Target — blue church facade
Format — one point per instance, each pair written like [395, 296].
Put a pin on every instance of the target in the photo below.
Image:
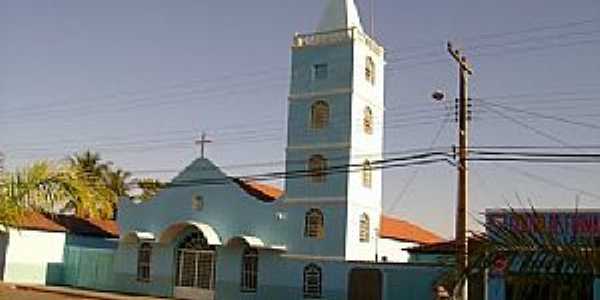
[208, 236]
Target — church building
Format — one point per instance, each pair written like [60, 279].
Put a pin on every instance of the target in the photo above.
[210, 236]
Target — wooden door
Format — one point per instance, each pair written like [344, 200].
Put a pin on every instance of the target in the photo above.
[365, 284]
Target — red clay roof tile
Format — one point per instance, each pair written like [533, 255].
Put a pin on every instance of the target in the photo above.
[68, 223]
[402, 230]
[37, 221]
[261, 191]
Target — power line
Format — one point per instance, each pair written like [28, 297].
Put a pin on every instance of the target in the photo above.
[529, 127]
[497, 35]
[542, 116]
[550, 182]
[415, 173]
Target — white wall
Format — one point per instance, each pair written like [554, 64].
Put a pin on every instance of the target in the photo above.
[29, 252]
[393, 250]
[365, 146]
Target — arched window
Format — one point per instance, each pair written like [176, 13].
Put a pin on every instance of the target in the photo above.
[368, 120]
[364, 228]
[319, 114]
[367, 174]
[143, 263]
[370, 70]
[249, 270]
[314, 224]
[317, 166]
[312, 281]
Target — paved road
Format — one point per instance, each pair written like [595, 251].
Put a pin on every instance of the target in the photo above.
[8, 293]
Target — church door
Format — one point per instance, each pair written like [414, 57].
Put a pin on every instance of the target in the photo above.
[195, 277]
[364, 284]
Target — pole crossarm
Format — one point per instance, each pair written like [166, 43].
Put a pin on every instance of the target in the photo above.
[461, 60]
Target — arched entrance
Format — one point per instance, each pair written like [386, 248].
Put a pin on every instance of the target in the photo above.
[195, 268]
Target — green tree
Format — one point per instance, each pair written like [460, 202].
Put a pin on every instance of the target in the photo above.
[150, 187]
[94, 186]
[117, 181]
[83, 182]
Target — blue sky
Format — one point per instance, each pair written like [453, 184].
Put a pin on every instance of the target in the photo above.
[137, 80]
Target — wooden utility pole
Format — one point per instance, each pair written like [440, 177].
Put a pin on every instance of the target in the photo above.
[462, 248]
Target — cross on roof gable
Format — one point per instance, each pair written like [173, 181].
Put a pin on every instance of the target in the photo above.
[339, 14]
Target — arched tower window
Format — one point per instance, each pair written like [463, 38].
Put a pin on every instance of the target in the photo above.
[367, 174]
[370, 70]
[312, 281]
[368, 120]
[314, 224]
[364, 228]
[317, 166]
[249, 270]
[143, 263]
[319, 115]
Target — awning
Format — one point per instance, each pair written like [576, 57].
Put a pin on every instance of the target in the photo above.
[254, 242]
[137, 236]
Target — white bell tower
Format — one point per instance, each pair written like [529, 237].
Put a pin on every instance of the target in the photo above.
[335, 131]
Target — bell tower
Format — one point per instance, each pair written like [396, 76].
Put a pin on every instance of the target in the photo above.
[335, 135]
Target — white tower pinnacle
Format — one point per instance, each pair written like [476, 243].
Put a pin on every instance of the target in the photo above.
[340, 14]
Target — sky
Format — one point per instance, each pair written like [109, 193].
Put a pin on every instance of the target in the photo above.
[139, 80]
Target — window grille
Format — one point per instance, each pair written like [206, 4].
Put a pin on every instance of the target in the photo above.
[321, 71]
[317, 166]
[249, 270]
[314, 224]
[143, 264]
[319, 115]
[195, 263]
[368, 120]
[312, 281]
[364, 230]
[370, 70]
[367, 174]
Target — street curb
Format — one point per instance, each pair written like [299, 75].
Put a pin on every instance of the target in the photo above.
[73, 293]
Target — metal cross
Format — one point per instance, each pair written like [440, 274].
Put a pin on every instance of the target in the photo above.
[202, 142]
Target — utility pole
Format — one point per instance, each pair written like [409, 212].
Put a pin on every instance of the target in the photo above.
[462, 247]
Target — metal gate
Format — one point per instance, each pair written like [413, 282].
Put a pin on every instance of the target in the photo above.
[195, 277]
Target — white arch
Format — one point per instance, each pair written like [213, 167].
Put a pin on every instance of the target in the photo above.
[251, 241]
[169, 234]
[136, 236]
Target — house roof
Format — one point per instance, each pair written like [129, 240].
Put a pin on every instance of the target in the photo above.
[446, 247]
[92, 227]
[69, 224]
[261, 191]
[37, 221]
[393, 228]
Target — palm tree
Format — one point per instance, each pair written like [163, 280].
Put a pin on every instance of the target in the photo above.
[540, 263]
[84, 183]
[39, 187]
[95, 188]
[89, 163]
[117, 182]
